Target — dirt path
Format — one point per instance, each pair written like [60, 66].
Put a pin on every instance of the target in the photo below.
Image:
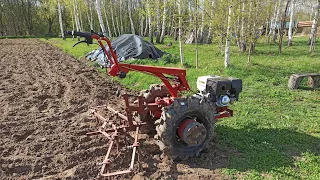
[44, 98]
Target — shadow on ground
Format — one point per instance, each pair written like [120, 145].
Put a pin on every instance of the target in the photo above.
[247, 149]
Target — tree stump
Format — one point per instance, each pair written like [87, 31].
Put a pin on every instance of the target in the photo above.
[295, 80]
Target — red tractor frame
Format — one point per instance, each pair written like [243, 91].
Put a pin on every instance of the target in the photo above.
[183, 125]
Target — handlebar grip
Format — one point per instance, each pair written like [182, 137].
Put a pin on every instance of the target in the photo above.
[76, 33]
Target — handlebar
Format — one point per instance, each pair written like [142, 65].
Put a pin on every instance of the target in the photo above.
[76, 33]
[83, 34]
[86, 35]
[89, 36]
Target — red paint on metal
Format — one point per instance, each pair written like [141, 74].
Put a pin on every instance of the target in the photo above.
[182, 127]
[173, 78]
[157, 114]
[223, 112]
[165, 101]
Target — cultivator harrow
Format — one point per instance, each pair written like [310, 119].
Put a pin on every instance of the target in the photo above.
[184, 125]
[116, 126]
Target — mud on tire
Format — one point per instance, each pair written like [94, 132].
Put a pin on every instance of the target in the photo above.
[155, 90]
[172, 116]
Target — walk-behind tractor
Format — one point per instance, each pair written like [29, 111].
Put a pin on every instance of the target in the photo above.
[184, 125]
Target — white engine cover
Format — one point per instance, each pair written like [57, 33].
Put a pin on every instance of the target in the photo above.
[202, 82]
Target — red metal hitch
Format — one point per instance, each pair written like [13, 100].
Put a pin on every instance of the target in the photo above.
[223, 112]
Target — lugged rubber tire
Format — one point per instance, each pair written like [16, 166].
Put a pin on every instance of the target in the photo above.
[155, 90]
[172, 116]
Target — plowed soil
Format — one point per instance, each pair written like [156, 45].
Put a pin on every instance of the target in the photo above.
[45, 95]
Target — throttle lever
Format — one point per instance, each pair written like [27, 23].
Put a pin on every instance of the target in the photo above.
[100, 34]
[83, 41]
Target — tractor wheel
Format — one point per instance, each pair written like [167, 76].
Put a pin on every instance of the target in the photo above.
[155, 90]
[185, 127]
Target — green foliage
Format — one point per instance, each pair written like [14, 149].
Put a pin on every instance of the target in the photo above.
[275, 132]
[168, 59]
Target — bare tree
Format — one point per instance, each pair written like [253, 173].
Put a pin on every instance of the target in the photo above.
[118, 26]
[163, 28]
[243, 40]
[209, 38]
[201, 29]
[149, 21]
[112, 18]
[106, 17]
[90, 13]
[76, 15]
[98, 9]
[130, 17]
[228, 39]
[283, 20]
[196, 31]
[120, 17]
[273, 23]
[60, 20]
[146, 27]
[180, 33]
[313, 33]
[158, 27]
[290, 34]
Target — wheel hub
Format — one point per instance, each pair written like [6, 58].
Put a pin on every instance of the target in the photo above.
[192, 132]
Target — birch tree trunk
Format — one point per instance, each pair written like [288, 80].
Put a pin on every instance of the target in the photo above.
[290, 34]
[60, 21]
[282, 26]
[106, 17]
[141, 18]
[90, 14]
[189, 11]
[80, 20]
[276, 21]
[252, 31]
[120, 16]
[147, 26]
[112, 19]
[227, 49]
[200, 35]
[163, 31]
[149, 21]
[130, 17]
[180, 33]
[141, 26]
[158, 25]
[118, 26]
[72, 17]
[209, 38]
[196, 31]
[76, 15]
[313, 33]
[103, 29]
[243, 40]
[273, 22]
[76, 20]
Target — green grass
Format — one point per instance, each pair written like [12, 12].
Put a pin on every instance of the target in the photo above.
[275, 132]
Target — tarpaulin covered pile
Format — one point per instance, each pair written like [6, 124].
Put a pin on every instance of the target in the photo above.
[127, 46]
